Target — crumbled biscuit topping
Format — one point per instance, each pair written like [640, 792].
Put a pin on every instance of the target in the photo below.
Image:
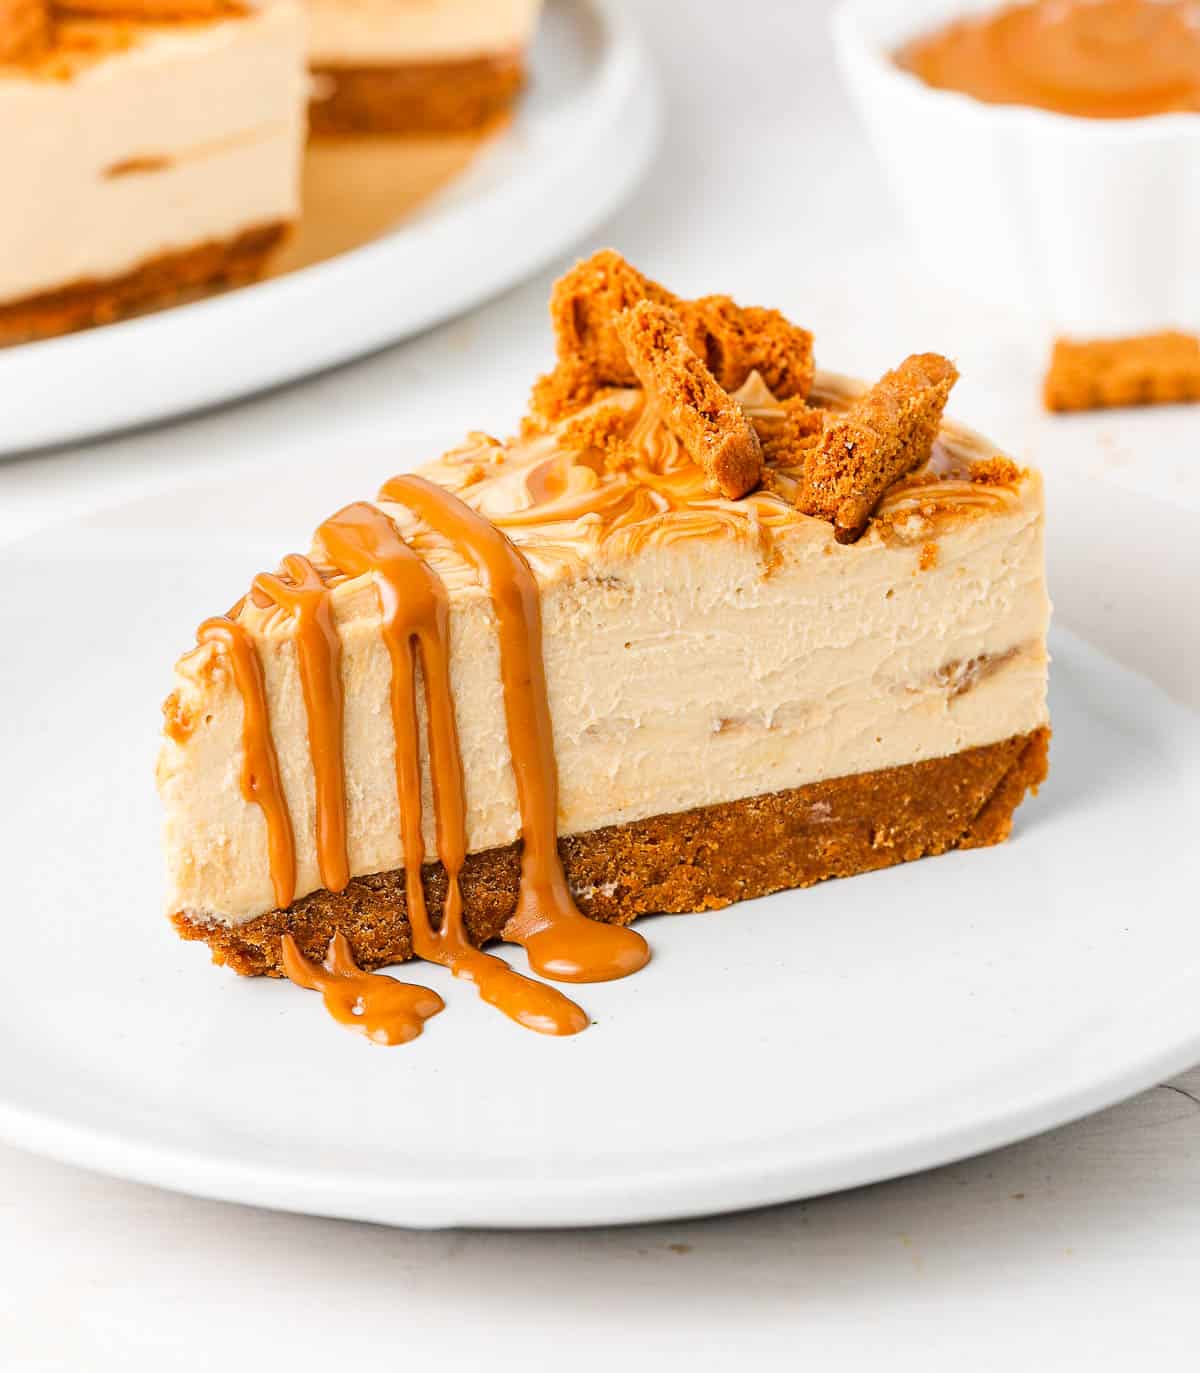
[732, 340]
[732, 383]
[885, 435]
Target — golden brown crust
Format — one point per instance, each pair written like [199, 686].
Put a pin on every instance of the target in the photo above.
[24, 30]
[732, 340]
[452, 97]
[885, 434]
[1149, 369]
[697, 860]
[159, 281]
[705, 418]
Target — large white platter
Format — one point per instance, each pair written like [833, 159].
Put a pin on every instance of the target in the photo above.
[579, 143]
[802, 1043]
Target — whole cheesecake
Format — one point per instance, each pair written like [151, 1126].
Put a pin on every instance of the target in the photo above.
[148, 149]
[714, 625]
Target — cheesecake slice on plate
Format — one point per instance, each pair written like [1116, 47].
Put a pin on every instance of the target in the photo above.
[715, 624]
[148, 149]
[416, 66]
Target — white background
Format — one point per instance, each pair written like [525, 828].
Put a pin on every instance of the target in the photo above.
[1080, 1249]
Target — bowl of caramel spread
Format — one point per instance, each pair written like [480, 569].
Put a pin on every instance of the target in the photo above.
[1043, 153]
[1096, 59]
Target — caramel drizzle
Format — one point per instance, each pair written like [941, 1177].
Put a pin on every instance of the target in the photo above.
[261, 783]
[560, 942]
[302, 593]
[415, 609]
[383, 1009]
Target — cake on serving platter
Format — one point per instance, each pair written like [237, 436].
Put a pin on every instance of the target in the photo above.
[715, 624]
[148, 149]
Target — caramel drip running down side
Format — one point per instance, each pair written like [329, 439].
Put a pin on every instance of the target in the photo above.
[302, 593]
[383, 1009]
[261, 783]
[362, 540]
[560, 941]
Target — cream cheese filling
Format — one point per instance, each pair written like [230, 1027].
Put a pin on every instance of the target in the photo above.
[680, 674]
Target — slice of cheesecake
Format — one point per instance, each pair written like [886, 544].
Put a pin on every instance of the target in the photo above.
[416, 66]
[143, 158]
[713, 626]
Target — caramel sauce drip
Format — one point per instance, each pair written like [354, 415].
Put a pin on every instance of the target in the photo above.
[560, 941]
[381, 1008]
[302, 593]
[415, 609]
[1100, 59]
[261, 783]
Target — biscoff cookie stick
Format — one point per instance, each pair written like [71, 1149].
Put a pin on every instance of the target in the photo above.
[1148, 369]
[706, 419]
[886, 434]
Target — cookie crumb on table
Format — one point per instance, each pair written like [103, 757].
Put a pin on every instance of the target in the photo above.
[1145, 369]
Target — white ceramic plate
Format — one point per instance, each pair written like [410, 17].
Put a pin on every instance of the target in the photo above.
[794, 1045]
[578, 145]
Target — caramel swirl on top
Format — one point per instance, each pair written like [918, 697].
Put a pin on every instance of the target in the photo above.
[1101, 59]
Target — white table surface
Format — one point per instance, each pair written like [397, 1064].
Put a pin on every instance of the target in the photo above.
[1078, 1249]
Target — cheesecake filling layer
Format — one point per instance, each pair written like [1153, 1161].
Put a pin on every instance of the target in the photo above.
[399, 32]
[155, 138]
[693, 657]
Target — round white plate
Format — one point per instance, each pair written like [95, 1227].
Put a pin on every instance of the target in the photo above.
[579, 143]
[793, 1045]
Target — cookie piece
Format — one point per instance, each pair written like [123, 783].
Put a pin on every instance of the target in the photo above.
[1148, 369]
[705, 418]
[584, 306]
[884, 435]
[732, 340]
[735, 340]
[24, 30]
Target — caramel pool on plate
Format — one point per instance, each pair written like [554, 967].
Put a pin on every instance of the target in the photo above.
[1102, 59]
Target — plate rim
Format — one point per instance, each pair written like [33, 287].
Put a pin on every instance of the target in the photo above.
[680, 1193]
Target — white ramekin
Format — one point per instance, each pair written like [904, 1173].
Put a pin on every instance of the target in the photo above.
[1090, 226]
